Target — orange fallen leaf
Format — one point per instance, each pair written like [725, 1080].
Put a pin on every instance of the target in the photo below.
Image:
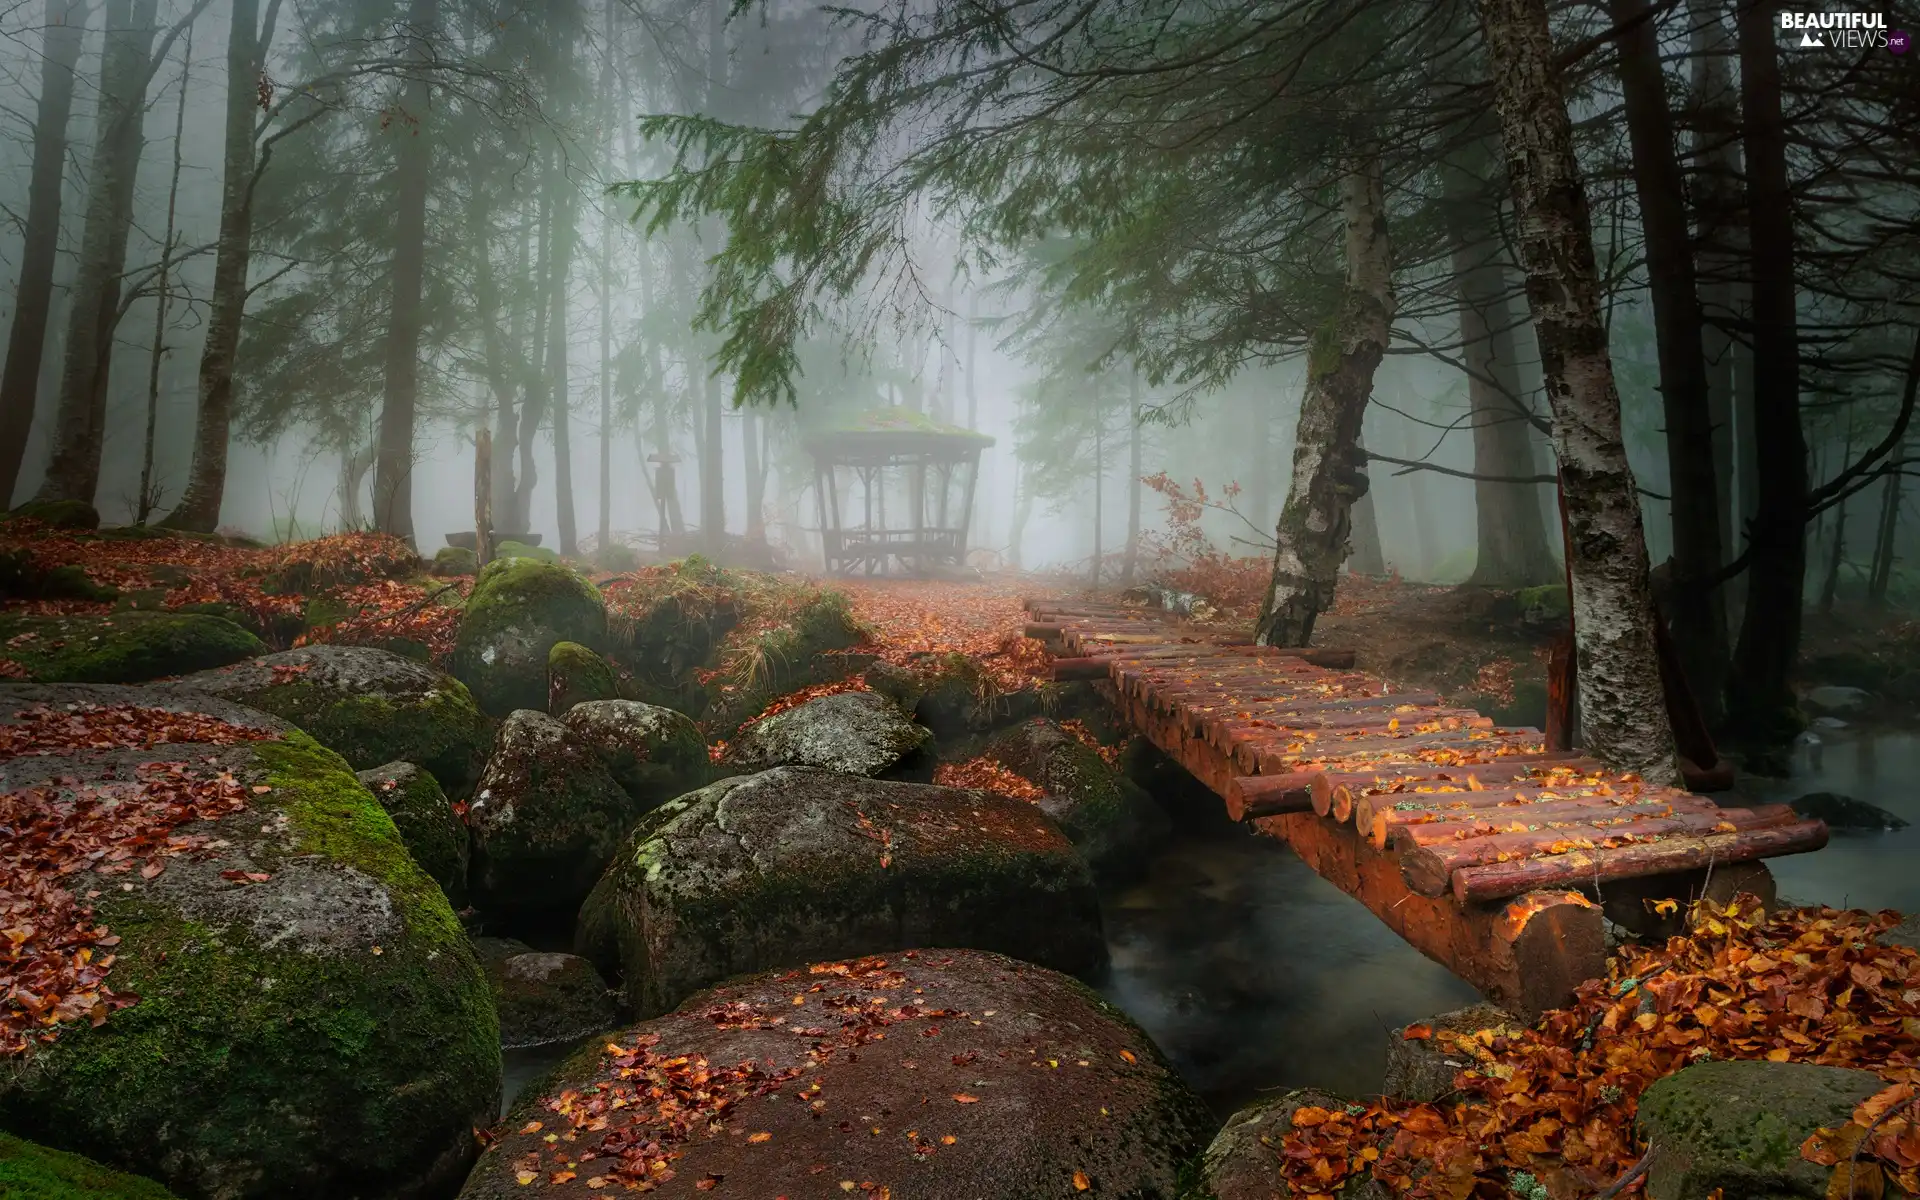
[1080, 1181]
[963, 1098]
[1417, 1033]
[762, 1136]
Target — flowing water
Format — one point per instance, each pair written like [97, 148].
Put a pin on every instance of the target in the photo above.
[1254, 975]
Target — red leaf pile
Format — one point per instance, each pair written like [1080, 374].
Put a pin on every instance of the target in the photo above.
[985, 775]
[45, 730]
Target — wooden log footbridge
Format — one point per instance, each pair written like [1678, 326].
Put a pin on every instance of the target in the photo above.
[1481, 847]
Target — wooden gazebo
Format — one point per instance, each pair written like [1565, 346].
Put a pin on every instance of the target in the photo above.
[927, 470]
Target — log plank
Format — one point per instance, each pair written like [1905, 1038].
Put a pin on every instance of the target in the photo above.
[1491, 881]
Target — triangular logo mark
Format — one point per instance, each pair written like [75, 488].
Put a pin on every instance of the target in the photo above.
[1811, 40]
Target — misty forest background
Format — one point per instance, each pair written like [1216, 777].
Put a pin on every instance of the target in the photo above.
[277, 261]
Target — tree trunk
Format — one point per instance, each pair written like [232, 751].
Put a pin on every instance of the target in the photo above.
[1511, 542]
[393, 470]
[1698, 616]
[199, 507]
[26, 342]
[354, 466]
[557, 374]
[1883, 542]
[80, 423]
[754, 454]
[1719, 238]
[1099, 477]
[146, 500]
[973, 334]
[1366, 557]
[1133, 475]
[1622, 707]
[533, 408]
[1830, 588]
[610, 92]
[1311, 535]
[1762, 704]
[505, 387]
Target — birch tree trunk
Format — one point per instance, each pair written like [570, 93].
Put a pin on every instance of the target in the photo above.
[393, 469]
[1699, 617]
[199, 506]
[1761, 703]
[1511, 543]
[80, 422]
[1315, 520]
[40, 237]
[1623, 712]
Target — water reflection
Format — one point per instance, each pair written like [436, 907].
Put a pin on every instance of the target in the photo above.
[1871, 870]
[526, 1064]
[1253, 974]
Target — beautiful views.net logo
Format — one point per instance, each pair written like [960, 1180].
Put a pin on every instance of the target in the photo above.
[1839, 30]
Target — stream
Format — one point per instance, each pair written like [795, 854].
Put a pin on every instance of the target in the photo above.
[1254, 975]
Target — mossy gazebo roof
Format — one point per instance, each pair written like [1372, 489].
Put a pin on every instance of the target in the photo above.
[883, 433]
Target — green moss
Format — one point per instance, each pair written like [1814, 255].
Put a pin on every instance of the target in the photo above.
[519, 609]
[124, 647]
[1549, 599]
[575, 675]
[30, 1172]
[511, 549]
[433, 833]
[59, 514]
[443, 731]
[268, 1068]
[455, 560]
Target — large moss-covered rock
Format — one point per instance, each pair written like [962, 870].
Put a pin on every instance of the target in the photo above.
[435, 835]
[1422, 1070]
[311, 1020]
[59, 514]
[1111, 819]
[368, 706]
[546, 819]
[1738, 1126]
[996, 1079]
[959, 698]
[576, 675]
[123, 647]
[796, 864]
[519, 609]
[450, 562]
[654, 753]
[1243, 1163]
[30, 1172]
[544, 998]
[854, 733]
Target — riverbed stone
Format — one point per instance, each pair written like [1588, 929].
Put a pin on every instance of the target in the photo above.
[451, 562]
[1421, 1070]
[130, 646]
[576, 674]
[369, 706]
[1243, 1162]
[545, 820]
[311, 1020]
[853, 733]
[944, 1074]
[1738, 1126]
[1844, 812]
[435, 835]
[1835, 698]
[796, 864]
[654, 753]
[519, 610]
[1113, 822]
[544, 997]
[30, 1172]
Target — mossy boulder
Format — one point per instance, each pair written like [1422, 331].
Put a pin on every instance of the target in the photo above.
[1243, 1163]
[369, 706]
[544, 998]
[30, 1172]
[1115, 824]
[59, 514]
[546, 819]
[795, 864]
[450, 562]
[435, 835]
[520, 608]
[1422, 1070]
[899, 684]
[854, 733]
[23, 578]
[654, 753]
[311, 1020]
[996, 1078]
[123, 647]
[1738, 1126]
[576, 675]
[513, 549]
[959, 698]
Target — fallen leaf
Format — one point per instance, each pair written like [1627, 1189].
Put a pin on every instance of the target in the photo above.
[1080, 1181]
[963, 1098]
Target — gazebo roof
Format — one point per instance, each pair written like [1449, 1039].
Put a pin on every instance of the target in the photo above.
[889, 431]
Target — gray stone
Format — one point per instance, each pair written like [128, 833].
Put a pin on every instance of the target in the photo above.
[797, 864]
[853, 733]
[1243, 1163]
[1844, 812]
[544, 997]
[1835, 698]
[1113, 822]
[1738, 1126]
[545, 820]
[995, 1078]
[1422, 1070]
[654, 753]
[434, 834]
[1906, 933]
[519, 610]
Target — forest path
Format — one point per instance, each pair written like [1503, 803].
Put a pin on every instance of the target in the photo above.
[1485, 851]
